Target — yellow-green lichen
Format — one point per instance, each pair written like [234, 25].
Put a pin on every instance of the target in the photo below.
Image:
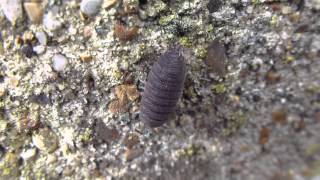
[45, 140]
[165, 20]
[190, 151]
[209, 28]
[201, 52]
[255, 2]
[312, 171]
[184, 41]
[313, 88]
[9, 166]
[86, 135]
[218, 88]
[312, 149]
[274, 20]
[288, 59]
[235, 121]
[116, 74]
[3, 125]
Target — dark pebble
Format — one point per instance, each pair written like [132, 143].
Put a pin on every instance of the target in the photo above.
[1, 78]
[27, 50]
[216, 58]
[143, 2]
[214, 5]
[41, 99]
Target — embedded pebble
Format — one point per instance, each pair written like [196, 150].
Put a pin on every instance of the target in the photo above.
[2, 90]
[27, 50]
[131, 154]
[104, 133]
[34, 11]
[109, 3]
[9, 166]
[87, 33]
[90, 7]
[214, 5]
[85, 57]
[314, 4]
[59, 62]
[42, 37]
[12, 9]
[28, 154]
[125, 33]
[52, 158]
[131, 140]
[39, 49]
[51, 23]
[45, 140]
[123, 94]
[216, 57]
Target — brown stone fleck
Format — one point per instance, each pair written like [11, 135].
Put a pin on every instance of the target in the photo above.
[276, 6]
[28, 122]
[302, 28]
[281, 176]
[2, 90]
[132, 93]
[14, 81]
[109, 3]
[216, 57]
[272, 77]
[85, 57]
[125, 33]
[244, 148]
[279, 116]
[317, 116]
[131, 154]
[124, 94]
[105, 133]
[34, 11]
[117, 106]
[87, 32]
[264, 136]
[294, 17]
[299, 126]
[131, 140]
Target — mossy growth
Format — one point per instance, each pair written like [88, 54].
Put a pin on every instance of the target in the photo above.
[288, 59]
[274, 20]
[218, 88]
[255, 2]
[190, 151]
[312, 149]
[201, 52]
[165, 20]
[184, 41]
[9, 166]
[313, 88]
[116, 74]
[85, 136]
[235, 121]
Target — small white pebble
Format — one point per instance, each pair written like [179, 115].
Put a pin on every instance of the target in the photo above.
[59, 62]
[39, 49]
[27, 154]
[42, 37]
[90, 7]
[51, 23]
[72, 30]
[12, 9]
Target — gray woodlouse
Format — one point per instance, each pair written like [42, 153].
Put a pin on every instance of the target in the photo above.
[163, 88]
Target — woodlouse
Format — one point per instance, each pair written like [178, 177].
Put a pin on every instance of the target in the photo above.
[163, 88]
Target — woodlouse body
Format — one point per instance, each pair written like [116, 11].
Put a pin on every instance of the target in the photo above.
[163, 88]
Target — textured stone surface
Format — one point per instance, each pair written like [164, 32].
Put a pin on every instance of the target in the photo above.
[259, 119]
